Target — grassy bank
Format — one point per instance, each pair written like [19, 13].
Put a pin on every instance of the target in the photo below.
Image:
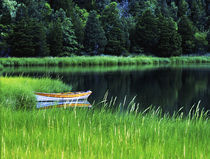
[85, 133]
[18, 92]
[1, 67]
[94, 133]
[101, 60]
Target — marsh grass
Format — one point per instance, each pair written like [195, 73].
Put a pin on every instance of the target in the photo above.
[18, 92]
[101, 61]
[100, 133]
[1, 67]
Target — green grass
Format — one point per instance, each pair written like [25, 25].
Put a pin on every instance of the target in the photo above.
[18, 92]
[101, 61]
[1, 67]
[95, 133]
[92, 133]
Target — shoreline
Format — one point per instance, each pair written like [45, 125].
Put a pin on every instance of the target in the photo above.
[87, 61]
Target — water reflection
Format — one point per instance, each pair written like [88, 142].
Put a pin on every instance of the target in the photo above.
[63, 104]
[169, 88]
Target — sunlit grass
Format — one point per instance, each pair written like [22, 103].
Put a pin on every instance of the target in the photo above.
[99, 132]
[101, 61]
[18, 92]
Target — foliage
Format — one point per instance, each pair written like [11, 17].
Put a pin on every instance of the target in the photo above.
[208, 39]
[18, 92]
[21, 39]
[70, 44]
[169, 43]
[187, 31]
[129, 25]
[201, 42]
[147, 31]
[113, 28]
[55, 39]
[94, 38]
[183, 8]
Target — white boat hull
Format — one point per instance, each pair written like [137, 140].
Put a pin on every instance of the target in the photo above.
[40, 98]
[63, 104]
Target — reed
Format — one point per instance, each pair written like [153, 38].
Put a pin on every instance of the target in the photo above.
[18, 92]
[98, 132]
[93, 133]
[1, 67]
[101, 61]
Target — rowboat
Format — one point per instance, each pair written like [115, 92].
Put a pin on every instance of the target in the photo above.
[63, 104]
[45, 97]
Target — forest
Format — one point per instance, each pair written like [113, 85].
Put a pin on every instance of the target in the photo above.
[64, 28]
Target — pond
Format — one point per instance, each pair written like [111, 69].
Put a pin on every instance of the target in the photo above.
[167, 87]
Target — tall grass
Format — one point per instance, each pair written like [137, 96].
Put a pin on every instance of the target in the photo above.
[18, 92]
[92, 133]
[101, 60]
[1, 67]
[98, 132]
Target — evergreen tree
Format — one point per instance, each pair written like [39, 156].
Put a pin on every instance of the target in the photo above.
[39, 39]
[198, 14]
[4, 34]
[147, 31]
[78, 27]
[201, 42]
[94, 38]
[187, 31]
[100, 4]
[55, 40]
[1, 8]
[170, 41]
[21, 40]
[70, 44]
[113, 28]
[6, 17]
[208, 39]
[164, 8]
[22, 13]
[70, 9]
[182, 8]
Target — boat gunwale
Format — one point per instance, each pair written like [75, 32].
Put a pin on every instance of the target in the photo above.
[64, 95]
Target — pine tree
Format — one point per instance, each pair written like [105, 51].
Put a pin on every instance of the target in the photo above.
[94, 38]
[78, 27]
[113, 28]
[55, 40]
[6, 17]
[39, 39]
[147, 31]
[70, 44]
[182, 8]
[198, 14]
[170, 41]
[187, 31]
[21, 40]
[208, 39]
[164, 8]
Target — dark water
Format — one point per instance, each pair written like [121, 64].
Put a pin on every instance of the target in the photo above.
[170, 88]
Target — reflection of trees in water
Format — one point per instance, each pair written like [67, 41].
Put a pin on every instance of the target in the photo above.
[194, 84]
[168, 88]
[158, 88]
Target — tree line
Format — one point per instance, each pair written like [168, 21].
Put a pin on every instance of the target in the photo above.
[39, 28]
